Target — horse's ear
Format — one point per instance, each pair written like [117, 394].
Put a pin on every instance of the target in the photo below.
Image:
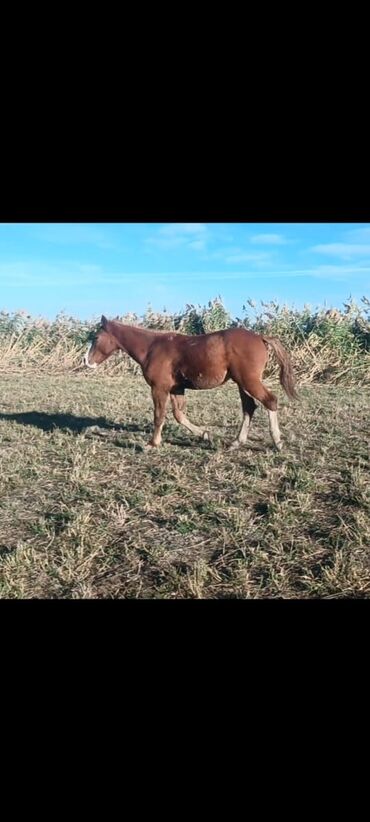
[103, 321]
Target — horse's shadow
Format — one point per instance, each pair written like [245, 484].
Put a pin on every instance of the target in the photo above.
[98, 425]
[69, 422]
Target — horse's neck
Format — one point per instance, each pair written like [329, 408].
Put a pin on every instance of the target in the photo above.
[135, 341]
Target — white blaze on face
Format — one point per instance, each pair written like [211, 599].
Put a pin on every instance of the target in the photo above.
[86, 358]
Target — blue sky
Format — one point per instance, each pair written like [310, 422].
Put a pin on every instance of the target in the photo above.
[87, 269]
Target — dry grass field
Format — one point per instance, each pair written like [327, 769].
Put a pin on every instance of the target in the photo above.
[87, 512]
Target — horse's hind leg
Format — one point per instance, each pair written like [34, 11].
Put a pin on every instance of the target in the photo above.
[248, 406]
[256, 389]
[274, 429]
[178, 406]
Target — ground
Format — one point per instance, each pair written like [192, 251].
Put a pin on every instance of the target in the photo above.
[87, 512]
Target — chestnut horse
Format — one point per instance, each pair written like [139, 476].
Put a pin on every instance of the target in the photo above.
[172, 362]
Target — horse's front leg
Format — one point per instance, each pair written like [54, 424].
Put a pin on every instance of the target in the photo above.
[160, 400]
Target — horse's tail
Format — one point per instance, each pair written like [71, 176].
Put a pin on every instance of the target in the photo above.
[287, 379]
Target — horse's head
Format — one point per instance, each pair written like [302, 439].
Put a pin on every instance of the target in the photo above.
[102, 347]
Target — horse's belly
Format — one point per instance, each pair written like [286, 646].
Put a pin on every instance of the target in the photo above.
[198, 380]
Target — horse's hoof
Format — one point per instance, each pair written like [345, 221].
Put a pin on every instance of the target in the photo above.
[206, 436]
[278, 446]
[234, 446]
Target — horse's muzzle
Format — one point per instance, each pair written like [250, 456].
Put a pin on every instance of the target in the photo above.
[86, 358]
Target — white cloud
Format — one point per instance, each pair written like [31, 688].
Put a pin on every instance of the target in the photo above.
[359, 234]
[343, 250]
[268, 239]
[178, 229]
[73, 234]
[197, 245]
[246, 257]
[39, 272]
[176, 235]
[337, 272]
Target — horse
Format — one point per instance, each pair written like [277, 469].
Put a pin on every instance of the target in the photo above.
[173, 362]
